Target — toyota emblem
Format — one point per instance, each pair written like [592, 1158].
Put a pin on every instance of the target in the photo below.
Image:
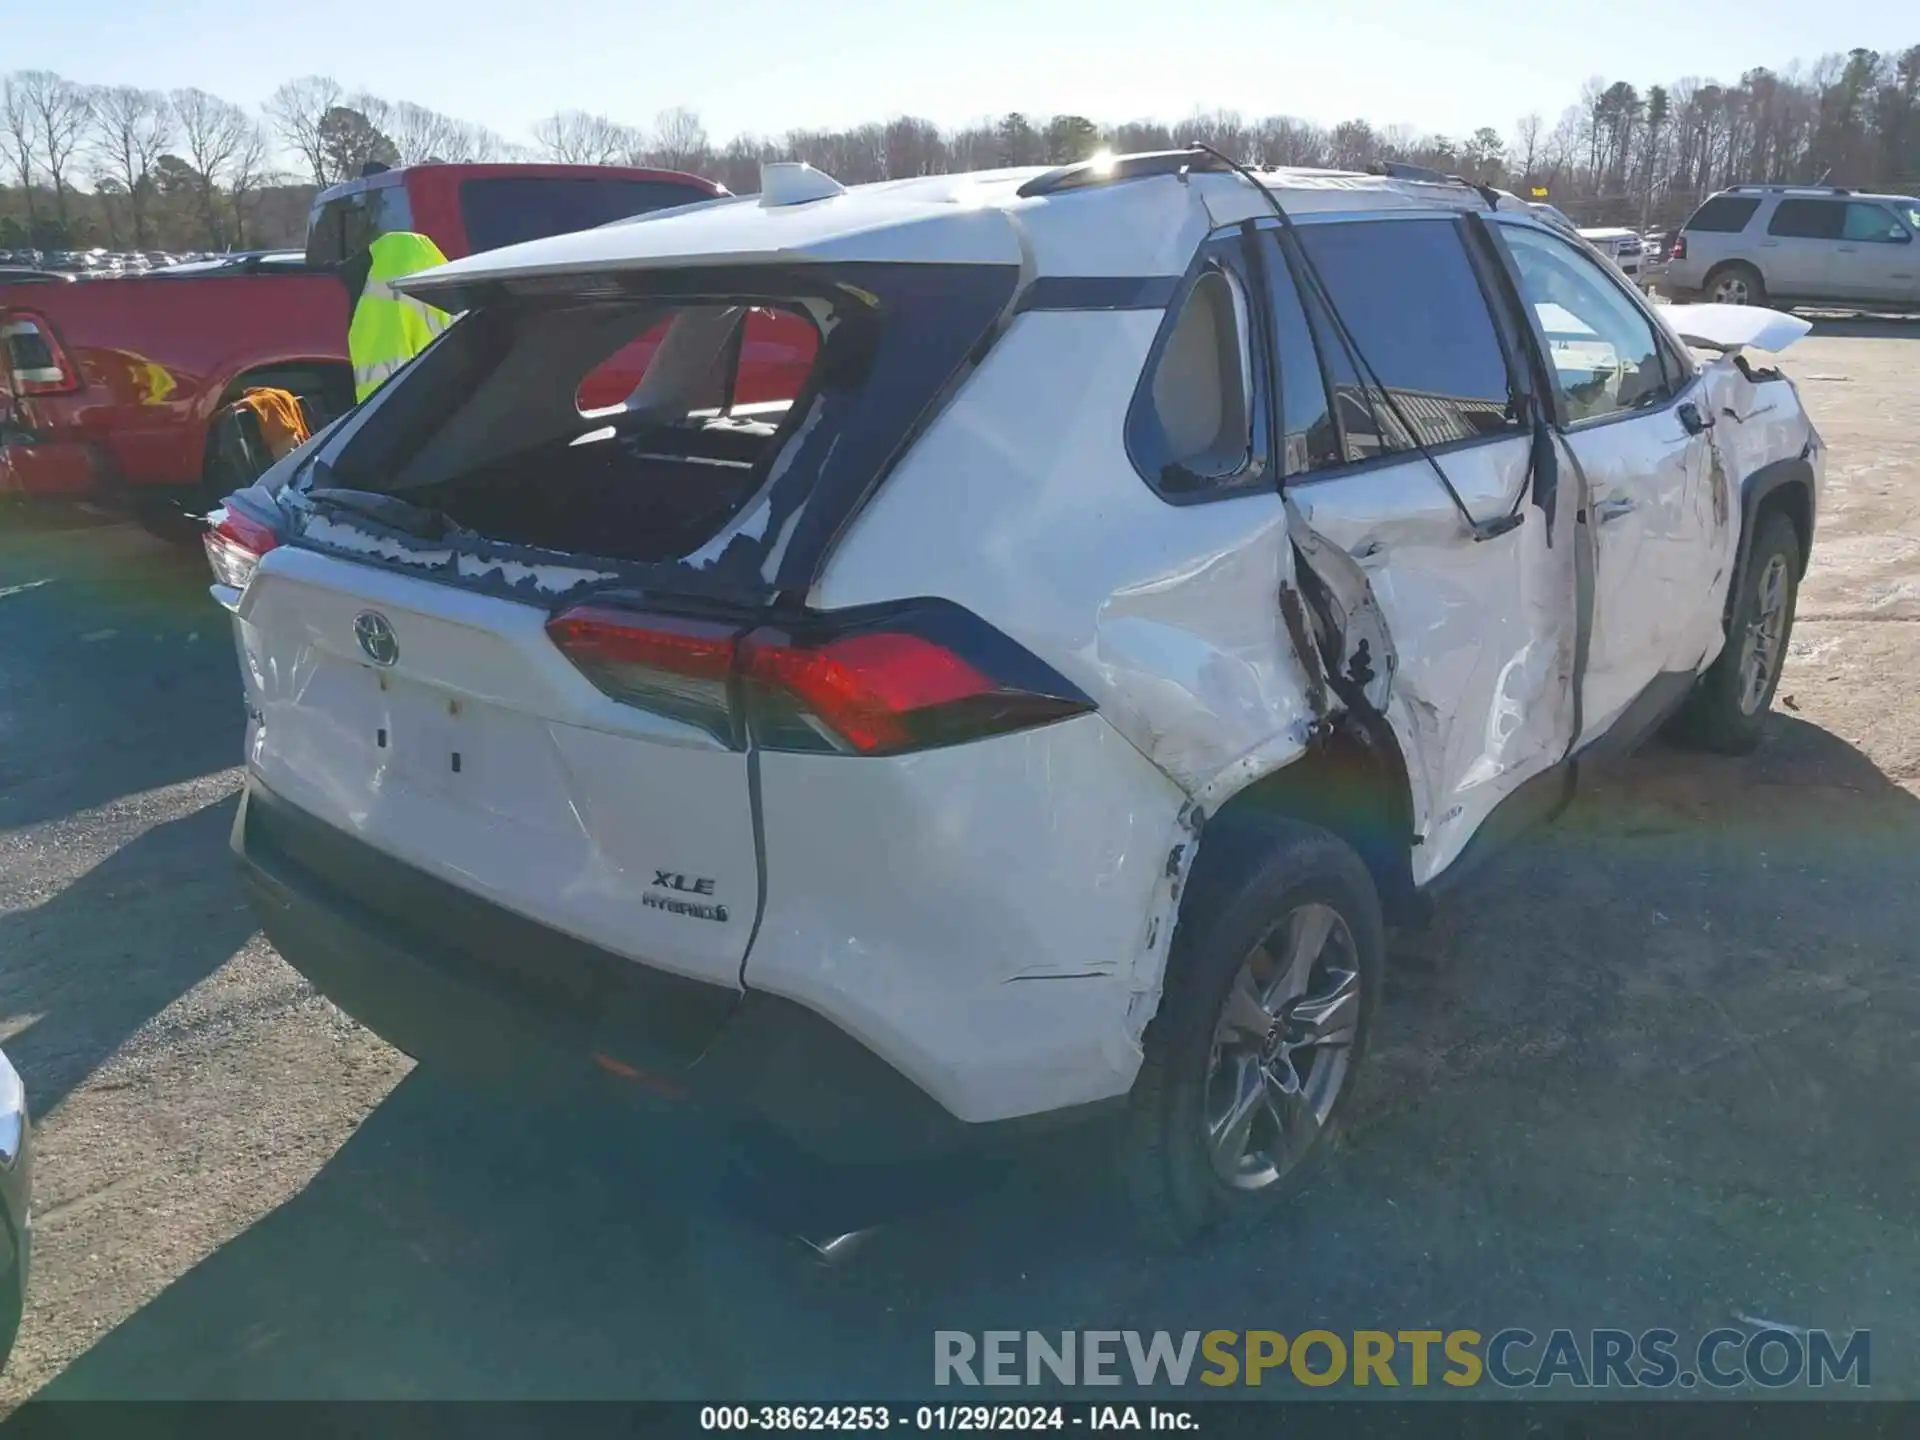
[375, 635]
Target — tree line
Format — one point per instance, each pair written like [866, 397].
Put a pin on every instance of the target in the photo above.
[141, 169]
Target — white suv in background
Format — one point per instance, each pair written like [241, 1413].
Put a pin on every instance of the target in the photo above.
[1167, 576]
[1799, 245]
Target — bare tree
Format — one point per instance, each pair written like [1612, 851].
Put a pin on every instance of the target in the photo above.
[295, 111]
[679, 140]
[215, 133]
[574, 137]
[131, 129]
[16, 118]
[1525, 153]
[248, 170]
[57, 113]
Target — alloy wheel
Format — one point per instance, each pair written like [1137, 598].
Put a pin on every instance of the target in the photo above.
[1282, 1047]
[1762, 646]
[1733, 290]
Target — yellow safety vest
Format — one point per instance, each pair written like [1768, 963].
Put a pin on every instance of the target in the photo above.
[388, 329]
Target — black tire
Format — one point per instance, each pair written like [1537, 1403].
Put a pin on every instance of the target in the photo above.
[1724, 713]
[1252, 887]
[1738, 274]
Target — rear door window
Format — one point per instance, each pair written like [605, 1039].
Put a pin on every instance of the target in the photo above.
[509, 209]
[1724, 214]
[1414, 307]
[1309, 438]
[1808, 219]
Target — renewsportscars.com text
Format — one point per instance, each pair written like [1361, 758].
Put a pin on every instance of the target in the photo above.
[1511, 1358]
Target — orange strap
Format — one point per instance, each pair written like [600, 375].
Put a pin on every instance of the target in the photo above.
[282, 422]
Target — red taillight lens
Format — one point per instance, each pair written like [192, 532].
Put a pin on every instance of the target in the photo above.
[39, 365]
[673, 667]
[928, 674]
[868, 688]
[235, 542]
[1679, 250]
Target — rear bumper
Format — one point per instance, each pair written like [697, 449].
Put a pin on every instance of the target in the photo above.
[463, 984]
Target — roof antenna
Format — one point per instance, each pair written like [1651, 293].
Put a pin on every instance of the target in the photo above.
[789, 182]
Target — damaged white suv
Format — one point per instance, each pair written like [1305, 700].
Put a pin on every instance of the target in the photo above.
[1160, 578]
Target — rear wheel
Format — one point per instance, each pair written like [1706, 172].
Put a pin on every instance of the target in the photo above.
[1736, 284]
[1728, 707]
[1271, 990]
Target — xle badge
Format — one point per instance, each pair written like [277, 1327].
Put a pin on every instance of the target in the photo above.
[673, 880]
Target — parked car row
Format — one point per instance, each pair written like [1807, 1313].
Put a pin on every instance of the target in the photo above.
[100, 261]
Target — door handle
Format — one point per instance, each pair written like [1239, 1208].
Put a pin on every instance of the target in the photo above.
[1613, 507]
[1693, 419]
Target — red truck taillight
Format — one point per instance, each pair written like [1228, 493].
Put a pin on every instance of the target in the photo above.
[912, 678]
[1679, 250]
[34, 354]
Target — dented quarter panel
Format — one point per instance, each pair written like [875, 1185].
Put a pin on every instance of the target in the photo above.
[1481, 632]
[1168, 616]
[991, 918]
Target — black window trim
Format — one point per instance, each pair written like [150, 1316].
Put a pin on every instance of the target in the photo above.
[1230, 250]
[1515, 369]
[1677, 393]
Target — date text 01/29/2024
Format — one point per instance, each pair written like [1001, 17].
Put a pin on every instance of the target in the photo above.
[945, 1417]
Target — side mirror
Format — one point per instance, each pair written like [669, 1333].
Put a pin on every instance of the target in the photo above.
[1691, 417]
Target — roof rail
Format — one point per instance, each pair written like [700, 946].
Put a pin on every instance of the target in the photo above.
[1400, 170]
[1788, 190]
[1109, 169]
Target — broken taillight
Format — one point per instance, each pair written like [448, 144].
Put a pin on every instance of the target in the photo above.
[862, 683]
[235, 542]
[34, 356]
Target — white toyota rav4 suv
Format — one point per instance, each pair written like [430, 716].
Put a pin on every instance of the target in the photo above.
[1166, 576]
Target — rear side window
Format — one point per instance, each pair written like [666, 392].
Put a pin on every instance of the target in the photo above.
[1415, 309]
[1724, 214]
[346, 225]
[1872, 223]
[1192, 429]
[1808, 219]
[509, 209]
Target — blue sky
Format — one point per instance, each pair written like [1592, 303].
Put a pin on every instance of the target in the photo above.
[768, 65]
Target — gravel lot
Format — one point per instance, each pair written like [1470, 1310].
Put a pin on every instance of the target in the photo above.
[1658, 1069]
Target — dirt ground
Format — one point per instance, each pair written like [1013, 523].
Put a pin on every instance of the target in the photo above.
[1657, 1069]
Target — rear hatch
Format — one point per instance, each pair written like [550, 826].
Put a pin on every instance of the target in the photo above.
[503, 637]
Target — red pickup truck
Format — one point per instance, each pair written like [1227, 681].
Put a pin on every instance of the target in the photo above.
[108, 388]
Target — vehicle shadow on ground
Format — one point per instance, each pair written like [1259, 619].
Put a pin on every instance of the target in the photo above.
[118, 945]
[1861, 326]
[1656, 1069]
[108, 634]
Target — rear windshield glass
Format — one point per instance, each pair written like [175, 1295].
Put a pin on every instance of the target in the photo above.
[505, 210]
[724, 406]
[1723, 213]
